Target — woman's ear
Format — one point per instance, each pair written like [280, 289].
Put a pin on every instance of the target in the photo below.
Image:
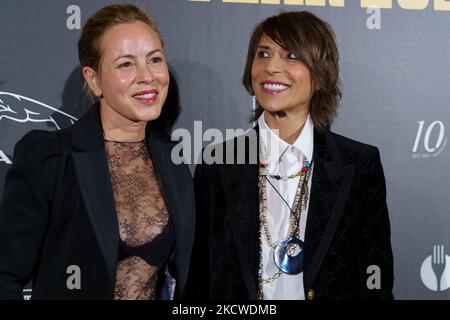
[315, 87]
[93, 81]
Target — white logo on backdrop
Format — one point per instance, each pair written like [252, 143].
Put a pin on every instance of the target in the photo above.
[4, 158]
[26, 109]
[21, 109]
[430, 139]
[435, 270]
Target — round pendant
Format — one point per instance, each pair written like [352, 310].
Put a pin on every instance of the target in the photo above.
[288, 255]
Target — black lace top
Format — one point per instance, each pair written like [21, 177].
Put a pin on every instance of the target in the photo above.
[145, 230]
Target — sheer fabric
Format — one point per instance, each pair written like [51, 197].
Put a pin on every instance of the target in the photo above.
[144, 227]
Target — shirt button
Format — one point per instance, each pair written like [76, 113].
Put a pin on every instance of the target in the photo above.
[310, 294]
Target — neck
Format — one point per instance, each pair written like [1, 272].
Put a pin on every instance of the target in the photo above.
[288, 126]
[118, 128]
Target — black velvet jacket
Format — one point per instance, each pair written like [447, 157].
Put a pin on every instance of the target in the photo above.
[58, 210]
[347, 229]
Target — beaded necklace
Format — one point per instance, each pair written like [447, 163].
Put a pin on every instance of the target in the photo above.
[300, 202]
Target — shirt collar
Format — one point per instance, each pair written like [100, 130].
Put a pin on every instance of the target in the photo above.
[304, 142]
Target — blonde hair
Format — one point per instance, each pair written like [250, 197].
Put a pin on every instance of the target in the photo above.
[89, 44]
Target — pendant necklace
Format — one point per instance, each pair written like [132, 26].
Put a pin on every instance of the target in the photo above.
[288, 253]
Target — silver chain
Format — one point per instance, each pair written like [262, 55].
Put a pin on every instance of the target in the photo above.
[300, 202]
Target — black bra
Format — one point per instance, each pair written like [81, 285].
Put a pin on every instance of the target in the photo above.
[155, 252]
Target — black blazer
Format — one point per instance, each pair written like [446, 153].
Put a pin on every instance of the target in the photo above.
[347, 228]
[58, 210]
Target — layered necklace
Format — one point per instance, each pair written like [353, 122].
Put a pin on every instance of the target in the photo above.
[288, 253]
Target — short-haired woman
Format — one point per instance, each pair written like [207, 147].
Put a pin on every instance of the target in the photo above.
[308, 219]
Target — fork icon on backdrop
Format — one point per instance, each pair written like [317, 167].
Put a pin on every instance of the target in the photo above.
[438, 264]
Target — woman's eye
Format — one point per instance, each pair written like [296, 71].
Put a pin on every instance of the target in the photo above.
[125, 65]
[156, 60]
[292, 56]
[262, 54]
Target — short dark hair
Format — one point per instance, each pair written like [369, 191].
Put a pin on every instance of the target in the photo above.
[312, 40]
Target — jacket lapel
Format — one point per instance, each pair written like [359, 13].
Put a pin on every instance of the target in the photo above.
[160, 151]
[330, 186]
[240, 182]
[93, 176]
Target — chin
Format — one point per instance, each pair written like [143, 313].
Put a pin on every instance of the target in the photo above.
[273, 109]
[149, 115]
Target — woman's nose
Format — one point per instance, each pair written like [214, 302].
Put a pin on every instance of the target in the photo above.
[274, 65]
[144, 73]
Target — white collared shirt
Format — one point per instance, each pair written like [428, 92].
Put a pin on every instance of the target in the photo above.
[286, 287]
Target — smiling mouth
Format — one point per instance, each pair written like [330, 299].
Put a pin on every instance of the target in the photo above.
[146, 96]
[274, 87]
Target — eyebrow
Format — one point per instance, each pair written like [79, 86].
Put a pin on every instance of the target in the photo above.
[132, 56]
[262, 47]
